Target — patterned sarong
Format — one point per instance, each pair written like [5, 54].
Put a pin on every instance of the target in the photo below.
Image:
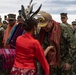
[19, 71]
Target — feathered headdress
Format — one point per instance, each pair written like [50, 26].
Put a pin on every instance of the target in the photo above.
[28, 12]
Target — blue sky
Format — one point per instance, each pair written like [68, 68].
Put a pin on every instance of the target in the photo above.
[51, 6]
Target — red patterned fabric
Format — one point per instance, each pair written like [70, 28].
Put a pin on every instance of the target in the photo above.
[53, 55]
[19, 71]
[55, 37]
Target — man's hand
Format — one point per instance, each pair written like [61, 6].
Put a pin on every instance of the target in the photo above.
[67, 66]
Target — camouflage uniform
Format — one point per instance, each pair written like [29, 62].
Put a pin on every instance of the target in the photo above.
[68, 49]
[75, 33]
[45, 44]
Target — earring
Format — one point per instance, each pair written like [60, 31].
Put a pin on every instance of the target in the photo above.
[35, 32]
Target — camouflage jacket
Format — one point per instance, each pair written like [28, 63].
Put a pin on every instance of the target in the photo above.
[68, 44]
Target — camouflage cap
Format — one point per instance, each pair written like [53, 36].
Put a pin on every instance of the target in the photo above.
[63, 14]
[74, 23]
[19, 10]
[11, 16]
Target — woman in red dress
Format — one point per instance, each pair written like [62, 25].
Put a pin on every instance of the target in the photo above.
[29, 50]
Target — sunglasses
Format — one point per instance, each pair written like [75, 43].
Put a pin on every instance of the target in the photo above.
[10, 20]
[62, 17]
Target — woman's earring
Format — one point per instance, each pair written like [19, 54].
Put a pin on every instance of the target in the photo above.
[35, 32]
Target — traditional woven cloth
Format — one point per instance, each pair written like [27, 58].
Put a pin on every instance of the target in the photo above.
[7, 58]
[19, 71]
[53, 56]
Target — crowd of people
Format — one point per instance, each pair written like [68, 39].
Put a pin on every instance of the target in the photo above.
[42, 45]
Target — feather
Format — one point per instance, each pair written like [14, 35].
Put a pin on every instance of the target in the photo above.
[36, 11]
[27, 11]
[31, 8]
[30, 2]
[23, 12]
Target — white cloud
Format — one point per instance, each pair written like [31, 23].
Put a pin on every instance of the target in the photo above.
[70, 18]
[7, 6]
[51, 6]
[71, 8]
[64, 0]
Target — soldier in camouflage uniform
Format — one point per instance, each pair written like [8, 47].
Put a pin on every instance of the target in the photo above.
[68, 49]
[74, 26]
[50, 35]
[64, 19]
[74, 32]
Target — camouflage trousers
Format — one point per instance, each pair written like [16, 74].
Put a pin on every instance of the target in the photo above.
[72, 71]
[57, 71]
[74, 68]
[53, 71]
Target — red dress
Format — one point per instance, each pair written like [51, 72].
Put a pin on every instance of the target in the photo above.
[28, 50]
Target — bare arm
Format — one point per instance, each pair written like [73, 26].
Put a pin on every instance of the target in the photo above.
[48, 49]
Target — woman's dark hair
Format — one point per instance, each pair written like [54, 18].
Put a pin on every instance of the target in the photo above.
[29, 24]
